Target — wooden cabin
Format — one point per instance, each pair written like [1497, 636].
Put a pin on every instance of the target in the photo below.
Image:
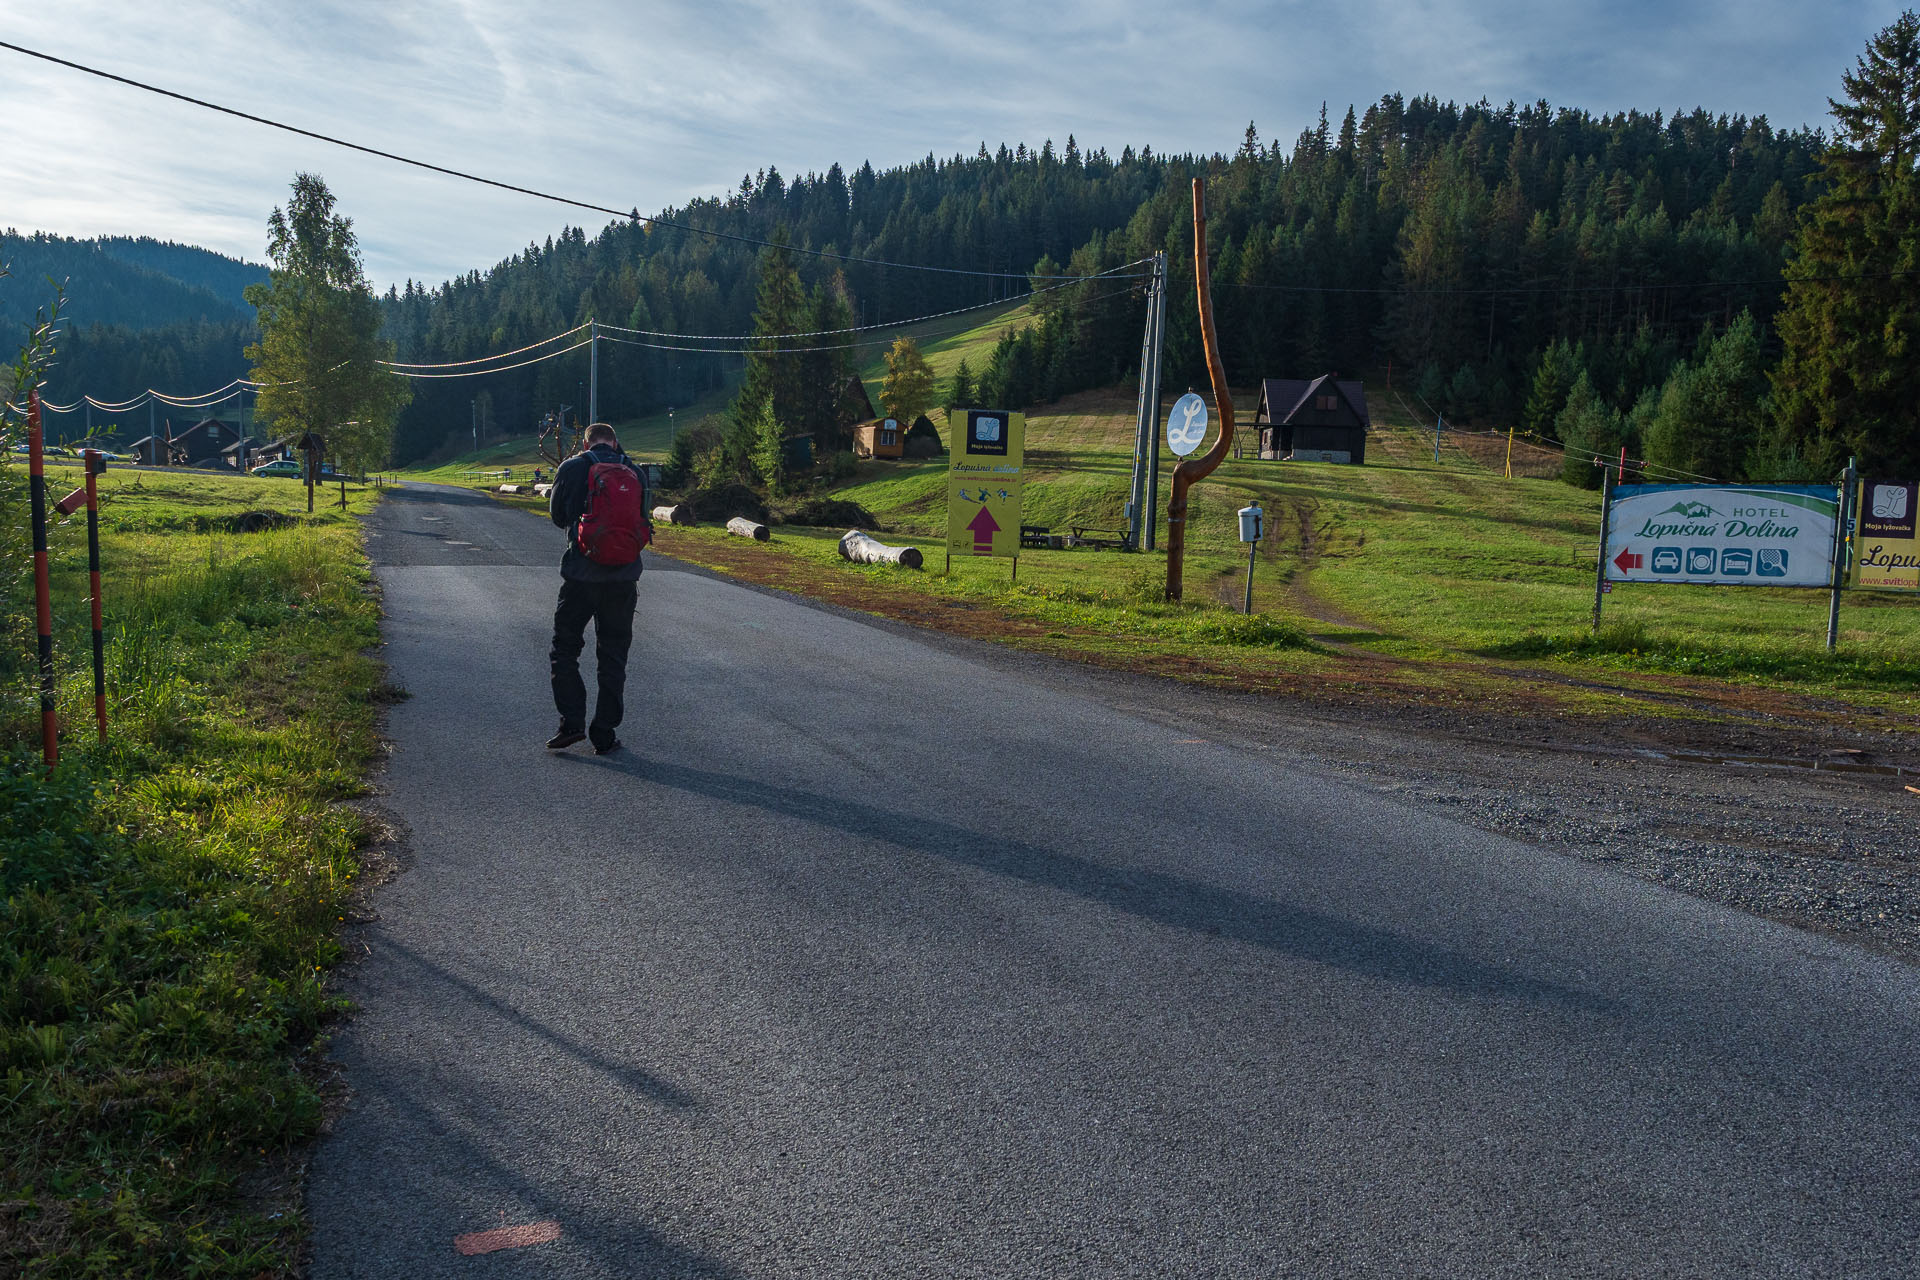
[1319, 420]
[879, 438]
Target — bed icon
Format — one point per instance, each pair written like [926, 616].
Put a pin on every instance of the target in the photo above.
[1736, 562]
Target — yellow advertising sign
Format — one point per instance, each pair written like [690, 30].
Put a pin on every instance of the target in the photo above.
[985, 483]
[1886, 539]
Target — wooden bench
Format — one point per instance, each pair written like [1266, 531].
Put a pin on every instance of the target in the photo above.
[1041, 537]
[1099, 539]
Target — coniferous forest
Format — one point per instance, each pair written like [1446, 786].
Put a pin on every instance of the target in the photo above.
[1472, 247]
[1608, 281]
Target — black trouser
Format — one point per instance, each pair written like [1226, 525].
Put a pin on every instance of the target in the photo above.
[610, 607]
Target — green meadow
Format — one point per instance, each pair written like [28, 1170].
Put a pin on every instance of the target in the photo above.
[171, 900]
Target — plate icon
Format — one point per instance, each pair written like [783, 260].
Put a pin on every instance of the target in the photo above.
[1700, 560]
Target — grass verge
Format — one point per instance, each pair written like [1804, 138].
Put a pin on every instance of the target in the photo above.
[172, 899]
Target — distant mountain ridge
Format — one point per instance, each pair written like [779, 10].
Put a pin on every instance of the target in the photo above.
[134, 283]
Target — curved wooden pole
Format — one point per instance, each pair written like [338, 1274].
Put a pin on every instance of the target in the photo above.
[1194, 470]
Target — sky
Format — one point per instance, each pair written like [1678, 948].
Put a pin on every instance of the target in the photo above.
[648, 104]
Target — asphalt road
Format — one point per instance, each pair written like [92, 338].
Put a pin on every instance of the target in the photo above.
[887, 955]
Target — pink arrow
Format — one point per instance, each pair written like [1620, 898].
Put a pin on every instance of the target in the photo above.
[984, 526]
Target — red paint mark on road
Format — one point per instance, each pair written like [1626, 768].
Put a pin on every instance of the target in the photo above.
[506, 1238]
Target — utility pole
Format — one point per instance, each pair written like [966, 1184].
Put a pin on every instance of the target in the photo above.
[593, 373]
[1194, 470]
[473, 408]
[1145, 427]
[1153, 395]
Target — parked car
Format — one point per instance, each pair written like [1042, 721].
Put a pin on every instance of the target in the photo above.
[280, 467]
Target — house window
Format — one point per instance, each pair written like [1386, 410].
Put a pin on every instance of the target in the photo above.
[886, 437]
[1325, 403]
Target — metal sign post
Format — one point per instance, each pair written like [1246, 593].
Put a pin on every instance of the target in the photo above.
[1842, 512]
[1600, 568]
[1251, 529]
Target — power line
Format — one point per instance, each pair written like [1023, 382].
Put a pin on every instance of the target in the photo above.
[475, 373]
[631, 215]
[890, 324]
[1630, 287]
[398, 365]
[793, 351]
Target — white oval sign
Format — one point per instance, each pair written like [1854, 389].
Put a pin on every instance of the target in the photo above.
[1187, 424]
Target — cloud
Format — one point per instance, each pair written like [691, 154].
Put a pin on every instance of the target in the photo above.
[654, 104]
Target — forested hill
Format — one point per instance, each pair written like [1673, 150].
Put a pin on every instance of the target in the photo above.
[139, 313]
[1458, 242]
[118, 280]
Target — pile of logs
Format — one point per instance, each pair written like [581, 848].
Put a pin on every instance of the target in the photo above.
[680, 513]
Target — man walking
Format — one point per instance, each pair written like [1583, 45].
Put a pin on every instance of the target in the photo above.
[599, 498]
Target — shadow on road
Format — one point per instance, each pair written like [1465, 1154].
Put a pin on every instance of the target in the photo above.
[448, 1122]
[1163, 898]
[635, 1078]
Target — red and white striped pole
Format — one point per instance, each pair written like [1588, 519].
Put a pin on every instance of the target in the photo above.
[42, 592]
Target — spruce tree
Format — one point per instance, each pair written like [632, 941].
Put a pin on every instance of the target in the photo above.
[769, 448]
[960, 390]
[1710, 414]
[773, 378]
[1849, 379]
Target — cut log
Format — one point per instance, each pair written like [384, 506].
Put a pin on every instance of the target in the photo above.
[742, 527]
[509, 488]
[542, 490]
[861, 549]
[680, 513]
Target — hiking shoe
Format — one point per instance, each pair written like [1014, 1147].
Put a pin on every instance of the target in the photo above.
[607, 749]
[564, 739]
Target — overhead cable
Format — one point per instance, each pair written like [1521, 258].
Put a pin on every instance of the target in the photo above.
[631, 215]
[891, 324]
[475, 373]
[785, 351]
[1497, 290]
[498, 355]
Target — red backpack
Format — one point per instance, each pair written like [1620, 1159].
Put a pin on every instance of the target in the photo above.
[615, 526]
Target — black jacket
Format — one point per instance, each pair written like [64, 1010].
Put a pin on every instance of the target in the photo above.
[568, 502]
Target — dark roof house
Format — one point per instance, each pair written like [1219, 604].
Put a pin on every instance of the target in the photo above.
[153, 451]
[1313, 420]
[206, 440]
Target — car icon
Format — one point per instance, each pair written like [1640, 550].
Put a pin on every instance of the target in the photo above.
[1666, 559]
[1737, 561]
[1700, 559]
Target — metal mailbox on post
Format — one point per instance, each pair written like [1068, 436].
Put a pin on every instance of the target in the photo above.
[1252, 529]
